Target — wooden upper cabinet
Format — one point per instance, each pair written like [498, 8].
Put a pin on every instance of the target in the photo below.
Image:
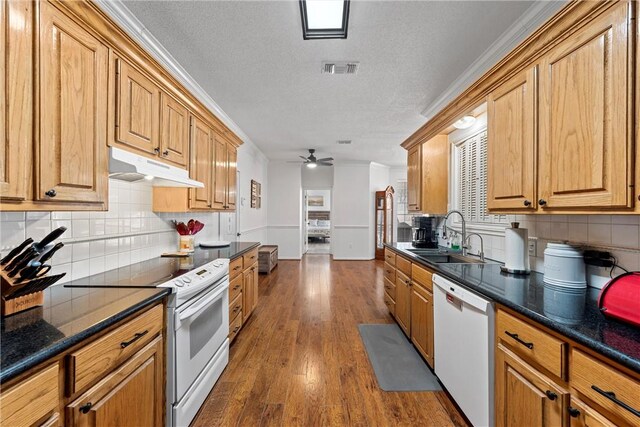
[435, 175]
[201, 164]
[220, 172]
[138, 109]
[16, 93]
[414, 178]
[511, 144]
[585, 157]
[232, 167]
[72, 158]
[174, 136]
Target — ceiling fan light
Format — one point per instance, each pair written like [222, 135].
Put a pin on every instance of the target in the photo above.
[312, 165]
[465, 122]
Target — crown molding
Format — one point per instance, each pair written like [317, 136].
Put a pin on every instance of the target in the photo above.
[121, 15]
[536, 15]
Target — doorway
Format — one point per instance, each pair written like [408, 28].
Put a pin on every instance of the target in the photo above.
[317, 214]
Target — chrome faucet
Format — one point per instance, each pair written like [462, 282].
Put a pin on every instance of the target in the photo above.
[466, 242]
[464, 228]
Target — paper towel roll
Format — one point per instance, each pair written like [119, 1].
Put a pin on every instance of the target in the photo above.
[516, 249]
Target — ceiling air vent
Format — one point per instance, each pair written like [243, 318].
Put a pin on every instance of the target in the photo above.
[344, 142]
[340, 67]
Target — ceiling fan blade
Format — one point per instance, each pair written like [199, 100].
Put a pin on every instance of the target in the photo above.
[295, 161]
[304, 158]
[325, 164]
[326, 159]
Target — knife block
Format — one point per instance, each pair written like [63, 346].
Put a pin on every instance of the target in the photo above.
[15, 305]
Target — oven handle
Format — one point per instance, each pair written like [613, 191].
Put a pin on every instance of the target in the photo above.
[196, 308]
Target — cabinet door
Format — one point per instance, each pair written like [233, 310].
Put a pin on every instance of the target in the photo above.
[434, 175]
[220, 172]
[403, 302]
[254, 272]
[511, 145]
[583, 415]
[414, 178]
[16, 93]
[247, 294]
[422, 321]
[201, 164]
[174, 139]
[523, 396]
[72, 163]
[132, 395]
[232, 166]
[585, 91]
[138, 108]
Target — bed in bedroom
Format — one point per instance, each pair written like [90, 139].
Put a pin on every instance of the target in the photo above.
[319, 225]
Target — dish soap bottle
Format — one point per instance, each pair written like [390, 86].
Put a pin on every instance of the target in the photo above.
[455, 242]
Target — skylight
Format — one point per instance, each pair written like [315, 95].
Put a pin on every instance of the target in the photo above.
[324, 19]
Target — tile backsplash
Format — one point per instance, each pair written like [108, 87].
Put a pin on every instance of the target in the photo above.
[617, 234]
[127, 233]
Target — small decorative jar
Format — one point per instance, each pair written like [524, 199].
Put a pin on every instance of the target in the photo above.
[187, 243]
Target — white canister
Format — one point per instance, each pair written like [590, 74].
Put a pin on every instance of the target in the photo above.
[564, 266]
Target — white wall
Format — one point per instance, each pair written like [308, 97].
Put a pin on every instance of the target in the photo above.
[351, 215]
[252, 164]
[284, 210]
[326, 194]
[319, 178]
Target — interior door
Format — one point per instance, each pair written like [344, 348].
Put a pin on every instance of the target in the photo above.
[201, 158]
[305, 223]
[174, 140]
[73, 111]
[585, 107]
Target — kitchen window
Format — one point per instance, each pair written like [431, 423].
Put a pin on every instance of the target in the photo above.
[470, 185]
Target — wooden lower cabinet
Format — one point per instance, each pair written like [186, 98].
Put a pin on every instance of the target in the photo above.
[243, 290]
[403, 302]
[250, 291]
[525, 397]
[422, 321]
[131, 395]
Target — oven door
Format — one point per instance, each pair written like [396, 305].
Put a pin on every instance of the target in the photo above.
[201, 327]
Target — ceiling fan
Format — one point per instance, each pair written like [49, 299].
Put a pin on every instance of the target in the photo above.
[313, 162]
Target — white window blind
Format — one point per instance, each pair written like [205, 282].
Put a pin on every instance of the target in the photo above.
[471, 165]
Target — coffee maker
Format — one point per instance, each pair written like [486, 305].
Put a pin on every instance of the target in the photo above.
[424, 232]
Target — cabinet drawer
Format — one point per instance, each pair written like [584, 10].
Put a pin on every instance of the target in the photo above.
[390, 257]
[389, 272]
[30, 400]
[611, 389]
[403, 265]
[235, 308]
[390, 303]
[234, 327]
[531, 343]
[250, 258]
[99, 357]
[390, 288]
[235, 287]
[235, 267]
[422, 276]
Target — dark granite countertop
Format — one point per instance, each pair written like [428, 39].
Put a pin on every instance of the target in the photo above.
[68, 316]
[572, 313]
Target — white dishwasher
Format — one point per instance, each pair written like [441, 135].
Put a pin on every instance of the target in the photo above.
[463, 340]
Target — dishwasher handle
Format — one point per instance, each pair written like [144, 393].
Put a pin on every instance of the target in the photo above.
[461, 293]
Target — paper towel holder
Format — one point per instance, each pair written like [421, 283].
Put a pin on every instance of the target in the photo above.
[506, 269]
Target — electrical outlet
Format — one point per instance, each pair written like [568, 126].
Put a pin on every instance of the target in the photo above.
[533, 246]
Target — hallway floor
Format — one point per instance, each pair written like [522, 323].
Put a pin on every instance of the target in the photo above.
[299, 359]
[319, 248]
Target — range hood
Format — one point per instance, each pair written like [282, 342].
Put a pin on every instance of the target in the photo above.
[127, 166]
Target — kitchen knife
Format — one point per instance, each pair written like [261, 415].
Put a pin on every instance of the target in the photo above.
[49, 238]
[36, 269]
[47, 256]
[30, 255]
[18, 259]
[16, 251]
[35, 285]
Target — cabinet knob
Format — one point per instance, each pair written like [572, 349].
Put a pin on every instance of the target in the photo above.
[156, 150]
[51, 193]
[573, 412]
[165, 153]
[209, 205]
[639, 197]
[527, 203]
[551, 395]
[542, 202]
[86, 407]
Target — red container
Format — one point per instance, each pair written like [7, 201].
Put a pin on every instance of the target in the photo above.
[620, 298]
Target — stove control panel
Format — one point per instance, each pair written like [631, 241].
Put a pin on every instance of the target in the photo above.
[200, 277]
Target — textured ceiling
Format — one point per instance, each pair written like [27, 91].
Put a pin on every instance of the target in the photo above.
[251, 59]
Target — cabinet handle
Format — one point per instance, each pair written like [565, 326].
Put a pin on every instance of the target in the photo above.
[542, 202]
[156, 150]
[551, 395]
[237, 267]
[573, 412]
[408, 282]
[165, 153]
[135, 338]
[85, 408]
[389, 271]
[612, 397]
[236, 308]
[236, 329]
[529, 345]
[209, 205]
[51, 193]
[236, 286]
[527, 203]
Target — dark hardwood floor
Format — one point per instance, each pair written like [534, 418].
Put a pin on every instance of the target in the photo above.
[299, 359]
